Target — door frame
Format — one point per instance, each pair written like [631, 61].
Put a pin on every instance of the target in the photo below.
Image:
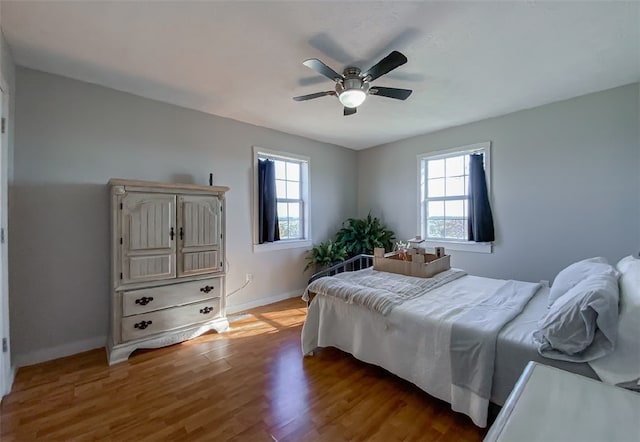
[6, 371]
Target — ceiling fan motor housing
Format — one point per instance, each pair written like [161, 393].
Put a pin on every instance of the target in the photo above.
[353, 84]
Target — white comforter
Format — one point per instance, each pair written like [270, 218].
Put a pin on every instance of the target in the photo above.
[412, 341]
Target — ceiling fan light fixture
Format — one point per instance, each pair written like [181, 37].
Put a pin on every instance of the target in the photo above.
[352, 97]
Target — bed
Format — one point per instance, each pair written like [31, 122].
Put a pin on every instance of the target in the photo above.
[418, 338]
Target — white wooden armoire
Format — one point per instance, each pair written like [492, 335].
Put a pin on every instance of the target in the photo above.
[168, 264]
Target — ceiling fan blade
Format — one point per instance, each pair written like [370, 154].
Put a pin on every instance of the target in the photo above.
[321, 68]
[349, 111]
[312, 96]
[387, 64]
[391, 92]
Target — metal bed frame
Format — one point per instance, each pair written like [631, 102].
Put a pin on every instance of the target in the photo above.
[358, 262]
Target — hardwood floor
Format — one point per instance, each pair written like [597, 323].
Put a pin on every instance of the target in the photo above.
[249, 384]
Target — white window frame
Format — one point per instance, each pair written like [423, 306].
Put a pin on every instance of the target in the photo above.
[305, 164]
[463, 246]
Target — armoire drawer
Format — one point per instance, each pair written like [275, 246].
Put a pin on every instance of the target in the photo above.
[139, 326]
[135, 302]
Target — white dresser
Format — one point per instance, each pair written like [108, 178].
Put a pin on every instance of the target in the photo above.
[168, 248]
[548, 404]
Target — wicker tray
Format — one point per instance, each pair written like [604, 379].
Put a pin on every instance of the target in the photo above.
[412, 263]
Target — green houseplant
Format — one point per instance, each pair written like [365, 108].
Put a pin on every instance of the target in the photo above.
[325, 254]
[363, 235]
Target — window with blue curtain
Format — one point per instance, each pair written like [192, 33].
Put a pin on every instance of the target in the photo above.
[454, 195]
[282, 207]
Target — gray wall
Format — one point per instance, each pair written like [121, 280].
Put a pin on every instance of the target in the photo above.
[565, 181]
[71, 137]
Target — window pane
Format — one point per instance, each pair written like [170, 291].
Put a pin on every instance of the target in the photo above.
[435, 168]
[456, 229]
[294, 210]
[293, 190]
[282, 211]
[435, 228]
[293, 171]
[455, 186]
[454, 209]
[435, 188]
[466, 164]
[280, 170]
[465, 227]
[281, 189]
[435, 209]
[294, 228]
[284, 229]
[455, 166]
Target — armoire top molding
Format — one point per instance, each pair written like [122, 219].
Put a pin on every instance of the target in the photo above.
[167, 186]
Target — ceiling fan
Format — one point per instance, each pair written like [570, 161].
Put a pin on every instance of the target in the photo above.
[353, 85]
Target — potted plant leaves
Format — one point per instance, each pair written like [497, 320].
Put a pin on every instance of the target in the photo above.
[363, 235]
[325, 255]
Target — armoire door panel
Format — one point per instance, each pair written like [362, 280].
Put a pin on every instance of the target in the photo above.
[200, 234]
[142, 268]
[149, 236]
[198, 261]
[200, 221]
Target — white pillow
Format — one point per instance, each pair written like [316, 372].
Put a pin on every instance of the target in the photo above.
[582, 323]
[576, 272]
[623, 364]
[629, 269]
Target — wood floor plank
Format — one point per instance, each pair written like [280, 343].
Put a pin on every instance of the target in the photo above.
[248, 384]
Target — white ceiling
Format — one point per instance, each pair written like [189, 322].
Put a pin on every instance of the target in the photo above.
[243, 60]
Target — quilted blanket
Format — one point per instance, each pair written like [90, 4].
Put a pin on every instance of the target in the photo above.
[378, 291]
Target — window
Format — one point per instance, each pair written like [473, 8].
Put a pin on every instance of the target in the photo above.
[292, 199]
[444, 196]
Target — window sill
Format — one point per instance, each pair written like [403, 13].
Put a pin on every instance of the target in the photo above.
[281, 245]
[462, 246]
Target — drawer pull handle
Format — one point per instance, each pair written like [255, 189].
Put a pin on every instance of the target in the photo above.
[206, 288]
[144, 300]
[206, 310]
[142, 324]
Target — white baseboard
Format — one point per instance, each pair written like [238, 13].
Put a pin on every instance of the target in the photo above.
[231, 309]
[47, 354]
